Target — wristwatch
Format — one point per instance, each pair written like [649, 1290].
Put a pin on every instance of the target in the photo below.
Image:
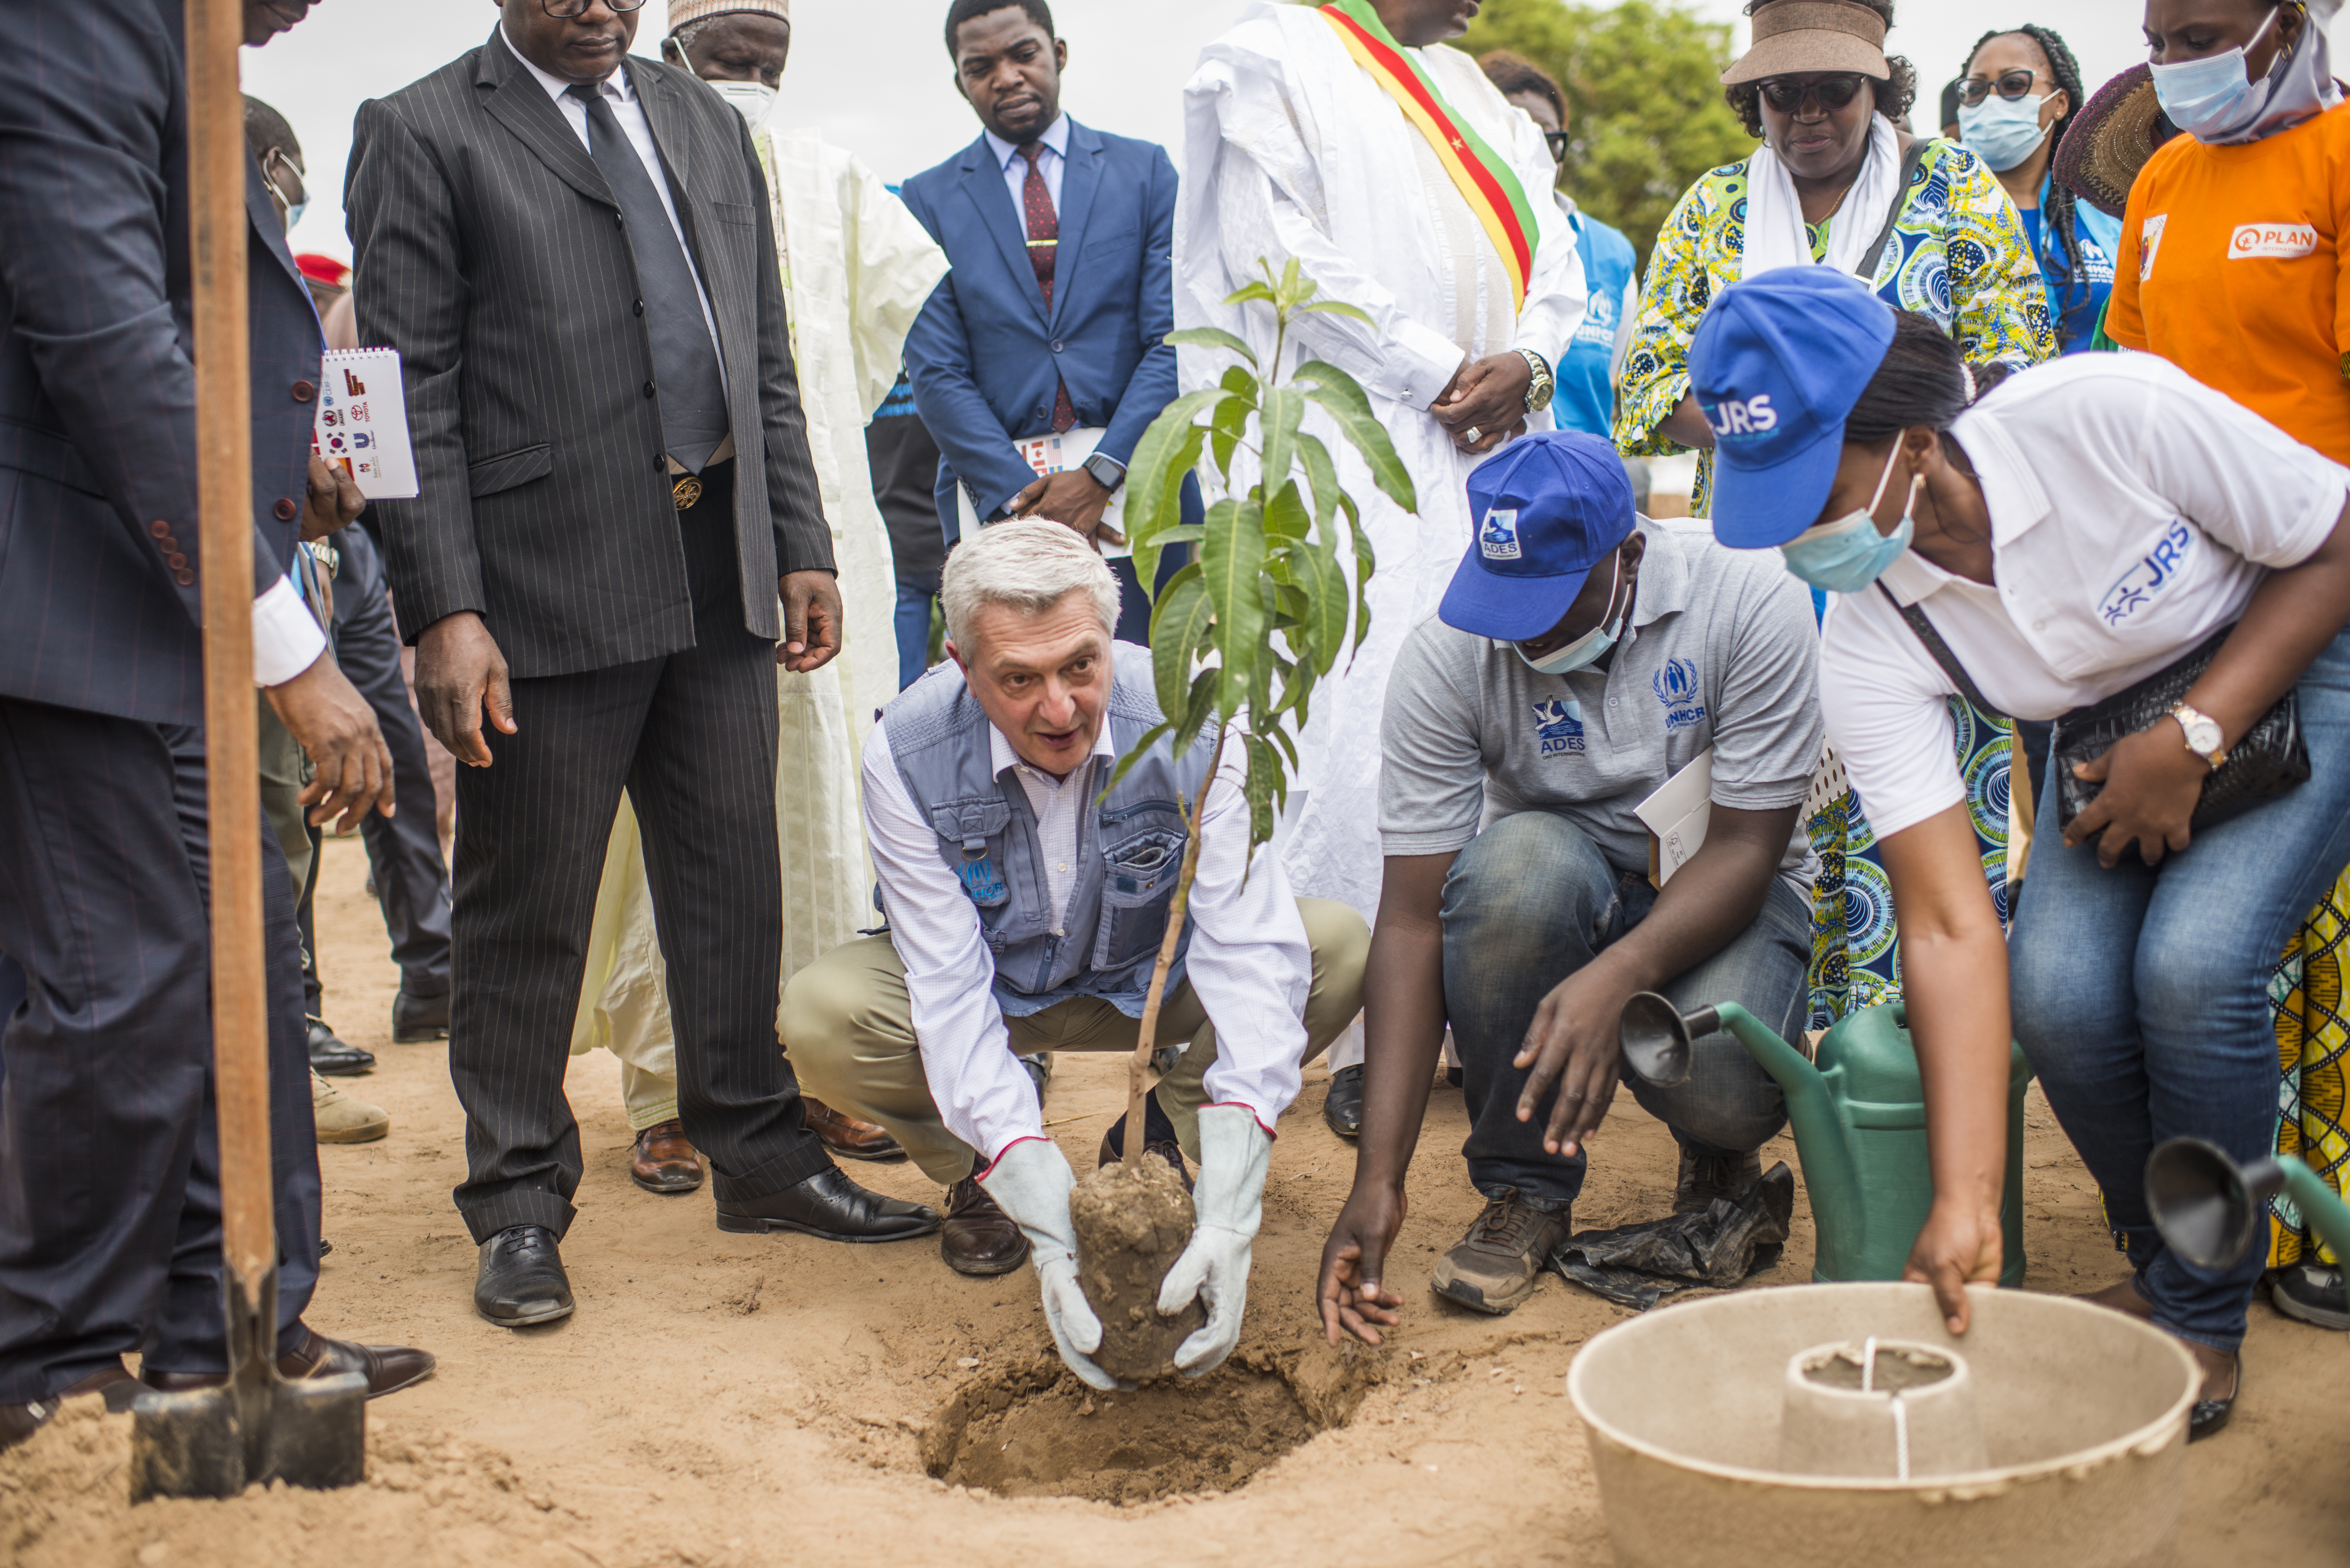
[1539, 389]
[2203, 735]
[1107, 471]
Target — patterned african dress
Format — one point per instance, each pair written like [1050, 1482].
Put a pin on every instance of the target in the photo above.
[1960, 254]
[2312, 1032]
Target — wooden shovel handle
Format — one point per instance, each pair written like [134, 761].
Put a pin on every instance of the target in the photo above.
[216, 160]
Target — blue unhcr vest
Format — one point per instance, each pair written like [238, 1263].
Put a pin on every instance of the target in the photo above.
[1129, 845]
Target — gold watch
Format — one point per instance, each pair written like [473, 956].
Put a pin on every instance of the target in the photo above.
[1540, 390]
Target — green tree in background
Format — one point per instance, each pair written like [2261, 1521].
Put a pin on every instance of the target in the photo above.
[1644, 100]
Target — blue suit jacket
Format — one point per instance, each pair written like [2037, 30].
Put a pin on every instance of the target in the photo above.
[984, 356]
[100, 573]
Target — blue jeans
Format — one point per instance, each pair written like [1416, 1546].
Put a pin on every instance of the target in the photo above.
[915, 596]
[2141, 996]
[1530, 901]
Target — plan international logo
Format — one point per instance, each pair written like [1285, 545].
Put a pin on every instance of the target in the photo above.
[1676, 686]
[1558, 726]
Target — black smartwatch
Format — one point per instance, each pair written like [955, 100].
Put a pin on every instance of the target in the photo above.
[1107, 471]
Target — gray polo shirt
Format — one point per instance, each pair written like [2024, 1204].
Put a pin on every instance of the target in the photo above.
[1722, 652]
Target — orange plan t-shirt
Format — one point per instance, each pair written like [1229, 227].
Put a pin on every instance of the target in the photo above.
[2232, 269]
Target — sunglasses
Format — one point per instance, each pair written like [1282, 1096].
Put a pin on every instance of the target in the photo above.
[2011, 85]
[1557, 140]
[1787, 94]
[564, 10]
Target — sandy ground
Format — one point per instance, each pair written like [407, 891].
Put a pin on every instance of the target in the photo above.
[721, 1401]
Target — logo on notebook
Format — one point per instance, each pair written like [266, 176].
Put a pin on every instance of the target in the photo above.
[2151, 574]
[1676, 686]
[2283, 241]
[1558, 726]
[1498, 538]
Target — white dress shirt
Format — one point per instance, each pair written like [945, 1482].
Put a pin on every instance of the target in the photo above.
[1249, 959]
[1049, 163]
[2134, 512]
[639, 132]
[286, 638]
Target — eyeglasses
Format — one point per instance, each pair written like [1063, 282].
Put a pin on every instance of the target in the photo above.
[566, 9]
[1787, 94]
[2011, 85]
[1557, 140]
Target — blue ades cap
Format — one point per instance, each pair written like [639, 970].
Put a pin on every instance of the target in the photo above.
[1547, 508]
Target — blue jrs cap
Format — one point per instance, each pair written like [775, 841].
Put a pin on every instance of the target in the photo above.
[1547, 508]
[1777, 365]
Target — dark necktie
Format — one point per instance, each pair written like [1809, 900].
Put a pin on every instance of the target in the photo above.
[686, 377]
[1044, 251]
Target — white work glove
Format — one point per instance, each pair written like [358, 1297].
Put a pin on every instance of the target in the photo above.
[1030, 1181]
[1229, 1202]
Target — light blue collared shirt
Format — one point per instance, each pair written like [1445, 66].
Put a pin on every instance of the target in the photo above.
[1015, 167]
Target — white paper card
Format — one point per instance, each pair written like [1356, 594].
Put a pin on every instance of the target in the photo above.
[362, 424]
[1677, 815]
[1056, 454]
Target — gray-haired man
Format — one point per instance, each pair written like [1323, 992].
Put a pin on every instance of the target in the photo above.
[1025, 911]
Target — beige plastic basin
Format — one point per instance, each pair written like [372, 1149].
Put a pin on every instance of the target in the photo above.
[2083, 1417]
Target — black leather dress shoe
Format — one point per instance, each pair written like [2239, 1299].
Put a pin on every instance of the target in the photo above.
[331, 1058]
[388, 1368]
[417, 1019]
[2210, 1415]
[829, 1205]
[521, 1280]
[18, 1422]
[1343, 1108]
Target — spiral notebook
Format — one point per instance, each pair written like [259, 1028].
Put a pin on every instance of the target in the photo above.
[362, 423]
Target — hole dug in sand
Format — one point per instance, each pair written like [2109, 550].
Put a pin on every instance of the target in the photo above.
[1034, 1430]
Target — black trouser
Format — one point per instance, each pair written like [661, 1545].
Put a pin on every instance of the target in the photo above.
[411, 882]
[692, 737]
[109, 1197]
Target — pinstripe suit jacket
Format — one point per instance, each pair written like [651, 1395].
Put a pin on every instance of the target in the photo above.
[489, 253]
[100, 573]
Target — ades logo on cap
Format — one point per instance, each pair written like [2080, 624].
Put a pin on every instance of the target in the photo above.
[1498, 538]
[1735, 416]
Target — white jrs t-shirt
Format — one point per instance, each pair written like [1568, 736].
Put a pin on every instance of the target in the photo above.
[2133, 512]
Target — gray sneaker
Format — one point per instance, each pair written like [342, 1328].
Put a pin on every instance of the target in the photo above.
[1496, 1264]
[1706, 1177]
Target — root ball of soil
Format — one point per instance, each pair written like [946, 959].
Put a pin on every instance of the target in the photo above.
[1132, 1222]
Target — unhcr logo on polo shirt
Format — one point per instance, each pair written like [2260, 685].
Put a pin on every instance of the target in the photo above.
[1558, 726]
[1497, 537]
[1676, 686]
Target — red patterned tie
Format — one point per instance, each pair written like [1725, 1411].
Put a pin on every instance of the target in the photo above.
[1044, 250]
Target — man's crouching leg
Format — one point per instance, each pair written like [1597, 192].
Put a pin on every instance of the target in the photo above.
[848, 1027]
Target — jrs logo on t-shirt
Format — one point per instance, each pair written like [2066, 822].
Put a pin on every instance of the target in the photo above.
[2281, 241]
[2149, 576]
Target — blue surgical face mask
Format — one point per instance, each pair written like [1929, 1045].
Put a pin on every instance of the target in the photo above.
[1591, 645]
[2002, 131]
[1847, 555]
[2214, 97]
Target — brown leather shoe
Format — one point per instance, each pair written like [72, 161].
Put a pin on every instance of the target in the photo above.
[663, 1162]
[18, 1422]
[388, 1369]
[979, 1238]
[847, 1136]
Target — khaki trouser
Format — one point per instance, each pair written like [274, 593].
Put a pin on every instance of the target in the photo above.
[849, 1029]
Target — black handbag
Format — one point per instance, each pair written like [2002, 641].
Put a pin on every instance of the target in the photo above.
[2271, 757]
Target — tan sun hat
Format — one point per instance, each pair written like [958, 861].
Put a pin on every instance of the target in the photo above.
[1793, 36]
[2110, 140]
[681, 12]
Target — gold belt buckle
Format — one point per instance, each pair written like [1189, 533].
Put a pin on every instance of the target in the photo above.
[686, 492]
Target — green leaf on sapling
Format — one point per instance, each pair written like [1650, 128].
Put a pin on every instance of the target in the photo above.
[1211, 337]
[1232, 561]
[1176, 627]
[1343, 399]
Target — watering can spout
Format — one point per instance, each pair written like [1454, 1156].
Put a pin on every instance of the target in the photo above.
[2211, 1211]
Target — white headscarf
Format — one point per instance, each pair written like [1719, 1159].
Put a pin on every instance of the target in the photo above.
[1774, 214]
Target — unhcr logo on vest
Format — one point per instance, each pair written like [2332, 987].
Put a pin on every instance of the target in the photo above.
[1676, 686]
[1558, 726]
[1498, 536]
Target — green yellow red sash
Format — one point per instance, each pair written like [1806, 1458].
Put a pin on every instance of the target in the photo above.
[1482, 175]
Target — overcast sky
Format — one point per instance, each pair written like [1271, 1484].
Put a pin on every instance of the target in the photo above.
[873, 74]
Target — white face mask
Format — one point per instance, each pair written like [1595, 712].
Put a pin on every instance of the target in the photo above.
[1590, 646]
[2215, 97]
[753, 100]
[2002, 131]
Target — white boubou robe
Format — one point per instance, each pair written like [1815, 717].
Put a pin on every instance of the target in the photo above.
[857, 271]
[1292, 149]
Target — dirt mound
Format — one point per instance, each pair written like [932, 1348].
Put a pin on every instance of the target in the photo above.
[1132, 1221]
[1033, 1430]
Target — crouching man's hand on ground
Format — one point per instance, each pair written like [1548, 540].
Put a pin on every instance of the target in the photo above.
[1234, 1151]
[1030, 1180]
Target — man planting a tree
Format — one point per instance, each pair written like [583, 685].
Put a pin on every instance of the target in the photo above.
[1026, 906]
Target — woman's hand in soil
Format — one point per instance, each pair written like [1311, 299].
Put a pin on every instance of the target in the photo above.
[1229, 1201]
[1030, 1180]
[1351, 1296]
[2153, 783]
[1960, 1244]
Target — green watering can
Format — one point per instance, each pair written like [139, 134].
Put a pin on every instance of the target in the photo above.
[2211, 1211]
[1859, 1116]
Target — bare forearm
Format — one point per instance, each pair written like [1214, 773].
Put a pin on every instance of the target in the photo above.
[1403, 1021]
[1686, 425]
[2291, 617]
[1708, 901]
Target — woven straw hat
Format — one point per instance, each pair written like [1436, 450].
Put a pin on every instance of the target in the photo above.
[2110, 140]
[1793, 36]
[681, 11]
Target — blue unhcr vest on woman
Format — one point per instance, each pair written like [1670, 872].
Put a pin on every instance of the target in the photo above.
[1129, 844]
